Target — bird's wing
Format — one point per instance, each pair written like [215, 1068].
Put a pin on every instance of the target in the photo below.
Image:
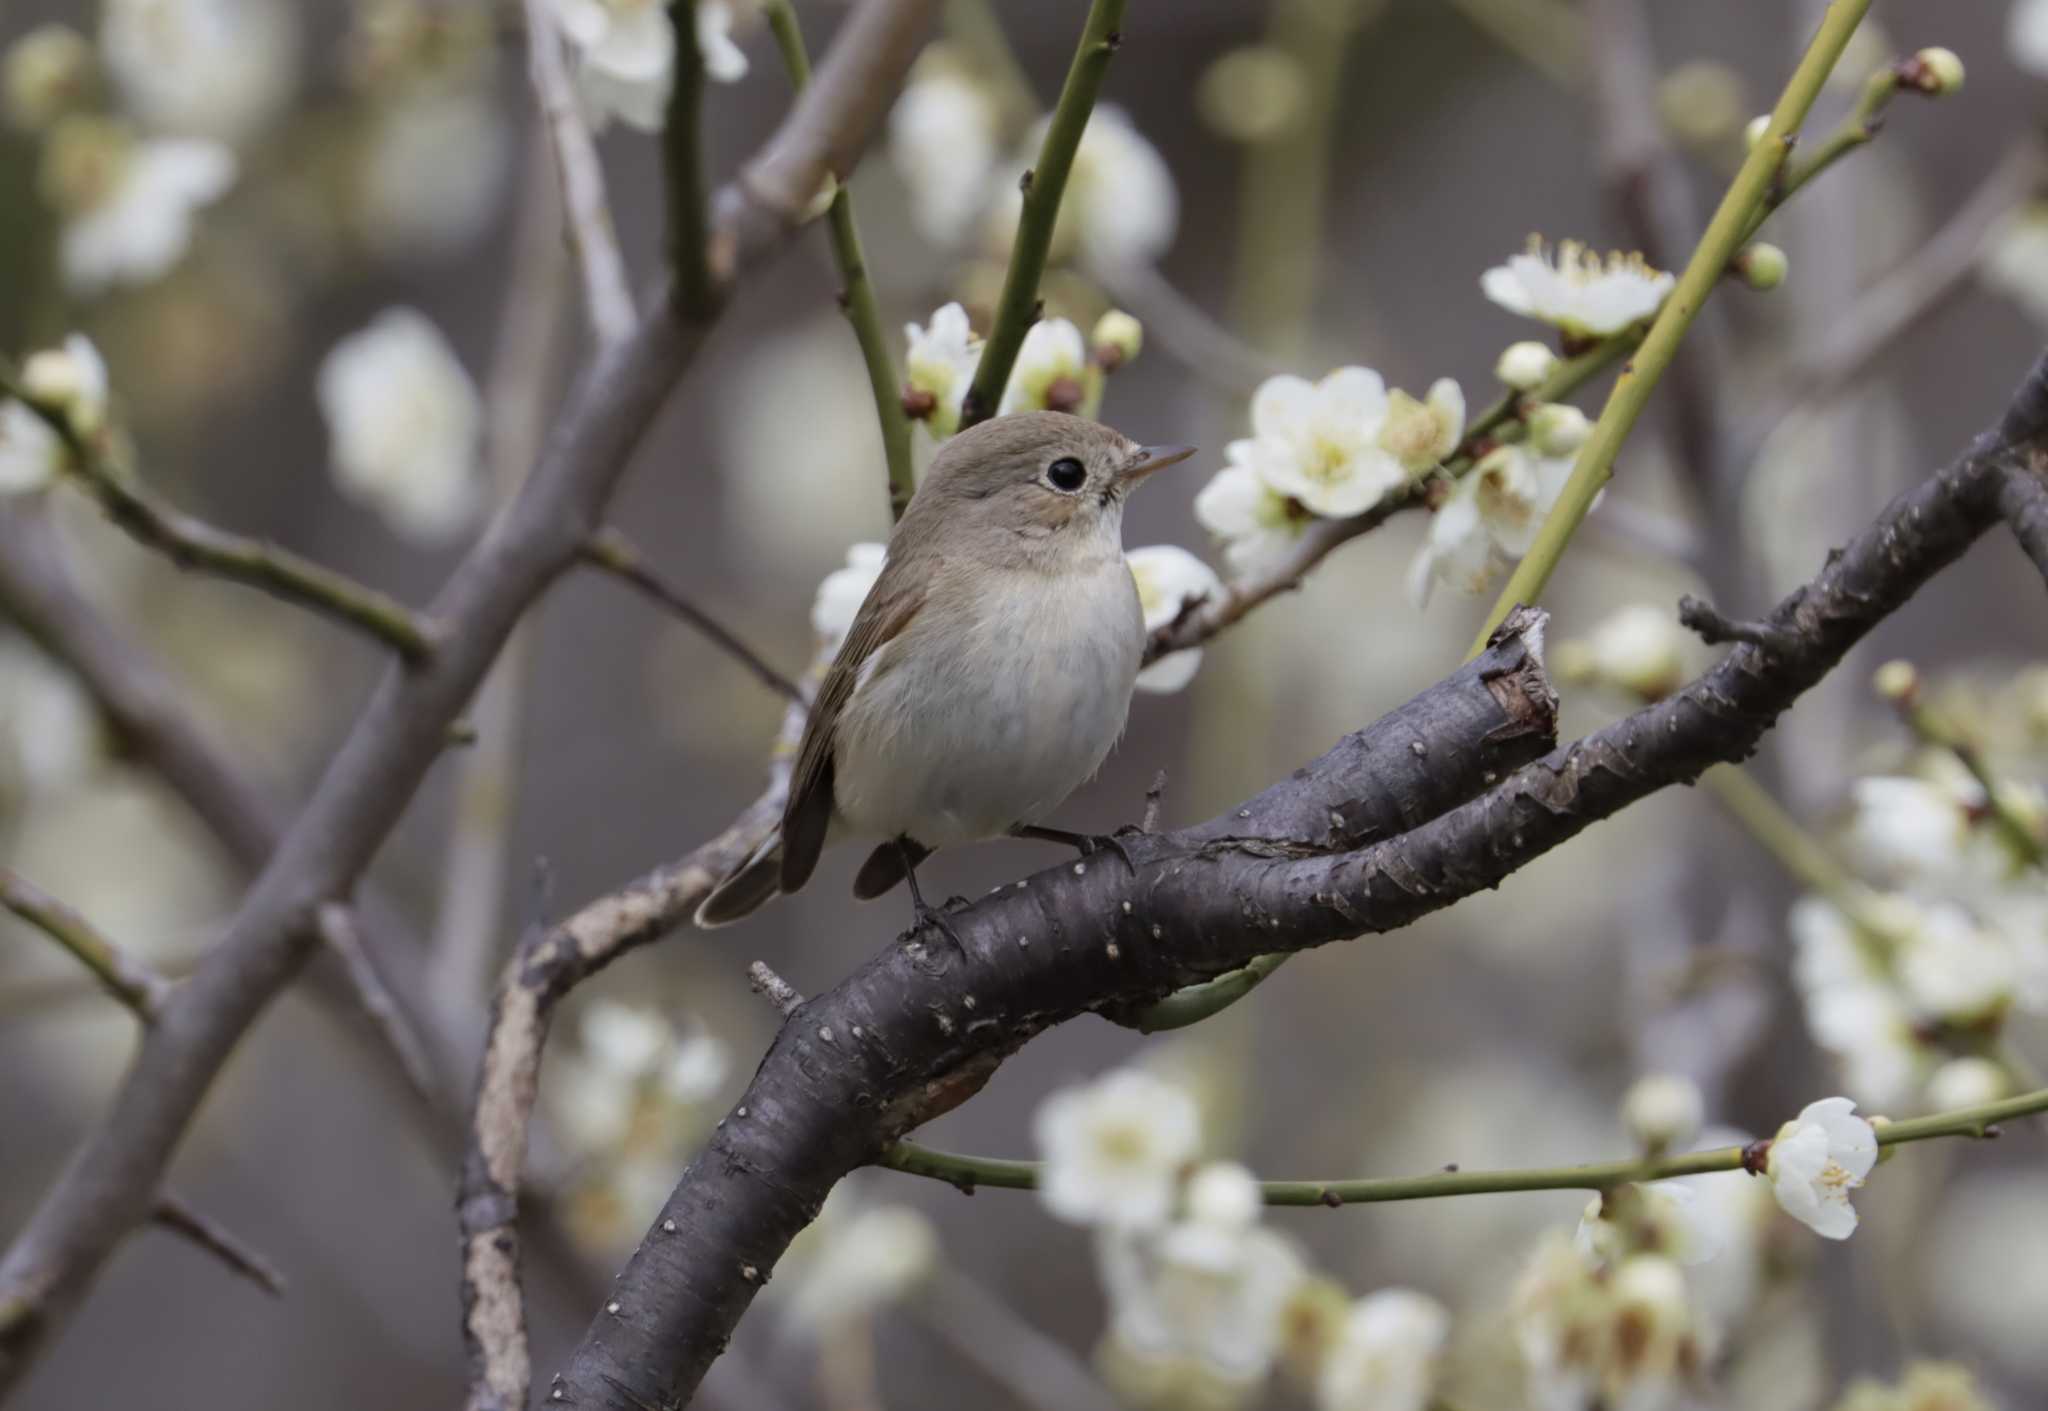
[887, 610]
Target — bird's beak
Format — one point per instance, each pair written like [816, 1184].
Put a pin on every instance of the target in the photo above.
[1151, 458]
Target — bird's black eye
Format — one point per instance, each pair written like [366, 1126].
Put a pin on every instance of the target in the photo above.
[1066, 474]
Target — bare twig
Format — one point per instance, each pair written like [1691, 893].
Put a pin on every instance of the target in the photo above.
[607, 295]
[127, 979]
[339, 929]
[105, 1188]
[242, 1259]
[773, 988]
[611, 551]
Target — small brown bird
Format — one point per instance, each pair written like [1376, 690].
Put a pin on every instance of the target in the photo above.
[989, 670]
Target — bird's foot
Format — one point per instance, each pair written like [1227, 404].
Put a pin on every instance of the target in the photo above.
[1086, 844]
[924, 914]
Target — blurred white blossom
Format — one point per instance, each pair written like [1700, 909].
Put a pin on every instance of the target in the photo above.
[626, 55]
[433, 170]
[1051, 371]
[404, 418]
[843, 591]
[942, 139]
[2026, 35]
[205, 68]
[2015, 257]
[1168, 578]
[1639, 649]
[1966, 1082]
[1114, 1149]
[45, 73]
[127, 203]
[938, 367]
[70, 380]
[1925, 1386]
[1319, 442]
[49, 730]
[1816, 1161]
[1385, 1358]
[1663, 1110]
[31, 453]
[1906, 826]
[696, 1069]
[858, 1264]
[622, 1039]
[1578, 290]
[1120, 207]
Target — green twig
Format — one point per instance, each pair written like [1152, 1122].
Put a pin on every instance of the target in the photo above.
[857, 290]
[1731, 224]
[1044, 185]
[968, 1173]
[689, 253]
[1801, 855]
[193, 543]
[1197, 1002]
[1858, 128]
[122, 976]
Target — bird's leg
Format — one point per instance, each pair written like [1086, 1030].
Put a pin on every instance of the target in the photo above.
[925, 915]
[1086, 844]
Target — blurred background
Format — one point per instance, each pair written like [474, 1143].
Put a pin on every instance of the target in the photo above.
[1341, 172]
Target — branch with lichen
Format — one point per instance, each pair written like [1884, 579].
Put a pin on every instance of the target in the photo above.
[1981, 1122]
[1044, 185]
[192, 543]
[856, 289]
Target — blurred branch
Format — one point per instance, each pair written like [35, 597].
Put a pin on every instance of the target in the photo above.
[1186, 332]
[104, 1191]
[857, 290]
[519, 394]
[241, 1258]
[339, 929]
[980, 1325]
[1044, 184]
[612, 552]
[1280, 873]
[607, 295]
[194, 544]
[697, 286]
[1548, 35]
[127, 979]
[970, 1173]
[1741, 209]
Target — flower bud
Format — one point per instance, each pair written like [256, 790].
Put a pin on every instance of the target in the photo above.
[1936, 72]
[1117, 338]
[1557, 429]
[1762, 265]
[44, 75]
[1754, 133]
[1641, 650]
[71, 380]
[1662, 1111]
[1897, 682]
[1524, 366]
[1966, 1082]
[1252, 94]
[1701, 102]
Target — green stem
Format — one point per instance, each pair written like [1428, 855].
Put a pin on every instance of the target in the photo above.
[1801, 855]
[968, 1173]
[1197, 1002]
[1934, 730]
[1731, 224]
[696, 292]
[1044, 185]
[126, 979]
[1855, 130]
[857, 290]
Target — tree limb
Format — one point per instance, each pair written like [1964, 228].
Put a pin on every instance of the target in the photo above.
[919, 1028]
[131, 981]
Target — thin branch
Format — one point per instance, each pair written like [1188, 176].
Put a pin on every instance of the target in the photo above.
[1740, 210]
[343, 936]
[241, 1258]
[107, 1185]
[132, 982]
[194, 544]
[773, 988]
[976, 1322]
[857, 289]
[1044, 185]
[611, 551]
[1186, 331]
[607, 294]
[921, 1026]
[970, 1173]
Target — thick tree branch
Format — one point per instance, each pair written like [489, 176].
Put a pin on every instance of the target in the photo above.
[920, 1027]
[104, 1189]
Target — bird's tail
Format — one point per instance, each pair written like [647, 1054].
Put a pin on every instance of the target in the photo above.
[757, 881]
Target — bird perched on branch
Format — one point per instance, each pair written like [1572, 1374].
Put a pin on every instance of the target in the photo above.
[987, 673]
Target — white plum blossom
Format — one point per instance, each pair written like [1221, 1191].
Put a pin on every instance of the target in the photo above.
[31, 452]
[1422, 434]
[842, 592]
[1952, 969]
[861, 1263]
[1576, 289]
[46, 72]
[1853, 1008]
[433, 171]
[1051, 371]
[1664, 1217]
[1663, 1110]
[1168, 578]
[1319, 442]
[127, 202]
[626, 55]
[942, 139]
[404, 419]
[1120, 206]
[1492, 512]
[1523, 366]
[938, 368]
[1256, 524]
[1816, 1161]
[1639, 649]
[2026, 35]
[1385, 1358]
[1114, 1149]
[1966, 1082]
[1911, 827]
[203, 68]
[71, 380]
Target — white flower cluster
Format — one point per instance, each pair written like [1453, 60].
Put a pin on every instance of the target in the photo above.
[626, 1106]
[1056, 368]
[1926, 1386]
[1204, 1300]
